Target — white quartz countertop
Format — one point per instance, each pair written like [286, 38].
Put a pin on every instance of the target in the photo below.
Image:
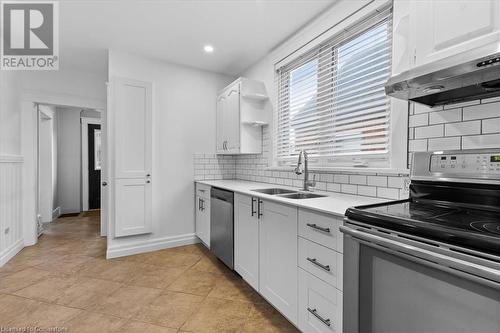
[333, 203]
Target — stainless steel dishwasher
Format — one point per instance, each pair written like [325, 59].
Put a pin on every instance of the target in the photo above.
[222, 226]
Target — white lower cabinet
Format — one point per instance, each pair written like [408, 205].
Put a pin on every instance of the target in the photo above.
[320, 305]
[278, 257]
[203, 213]
[246, 239]
[265, 250]
[300, 275]
[321, 261]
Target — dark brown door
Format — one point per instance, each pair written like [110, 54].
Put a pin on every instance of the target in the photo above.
[94, 136]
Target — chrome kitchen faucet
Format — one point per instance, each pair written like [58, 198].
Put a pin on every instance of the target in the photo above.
[298, 170]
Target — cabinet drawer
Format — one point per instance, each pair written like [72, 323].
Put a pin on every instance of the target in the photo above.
[320, 305]
[203, 190]
[321, 261]
[321, 228]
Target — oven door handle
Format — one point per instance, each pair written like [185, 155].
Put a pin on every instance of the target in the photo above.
[431, 258]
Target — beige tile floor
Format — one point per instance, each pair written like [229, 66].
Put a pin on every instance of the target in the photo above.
[65, 282]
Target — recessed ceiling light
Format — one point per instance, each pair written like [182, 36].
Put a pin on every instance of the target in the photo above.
[208, 48]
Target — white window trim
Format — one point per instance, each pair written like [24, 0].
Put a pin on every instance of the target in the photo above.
[397, 161]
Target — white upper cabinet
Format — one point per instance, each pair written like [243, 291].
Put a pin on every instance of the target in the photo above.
[232, 119]
[241, 113]
[446, 28]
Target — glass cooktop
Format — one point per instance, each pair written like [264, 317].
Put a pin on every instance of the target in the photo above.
[473, 228]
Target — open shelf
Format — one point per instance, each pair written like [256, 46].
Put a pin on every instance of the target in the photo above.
[255, 96]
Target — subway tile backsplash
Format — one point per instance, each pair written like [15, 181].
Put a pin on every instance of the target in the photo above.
[255, 168]
[211, 166]
[469, 125]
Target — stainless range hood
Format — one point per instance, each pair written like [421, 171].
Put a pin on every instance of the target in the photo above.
[464, 77]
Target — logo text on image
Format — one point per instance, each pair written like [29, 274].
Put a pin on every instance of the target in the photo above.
[30, 35]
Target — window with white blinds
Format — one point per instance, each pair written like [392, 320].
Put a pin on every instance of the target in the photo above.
[331, 100]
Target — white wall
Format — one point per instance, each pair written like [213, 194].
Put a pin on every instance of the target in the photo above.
[69, 160]
[65, 87]
[10, 120]
[11, 163]
[47, 140]
[183, 123]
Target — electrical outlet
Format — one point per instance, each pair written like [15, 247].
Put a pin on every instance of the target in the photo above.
[405, 190]
[406, 184]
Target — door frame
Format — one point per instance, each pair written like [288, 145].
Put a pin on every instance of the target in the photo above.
[85, 121]
[29, 145]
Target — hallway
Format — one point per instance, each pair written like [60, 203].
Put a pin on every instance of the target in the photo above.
[65, 283]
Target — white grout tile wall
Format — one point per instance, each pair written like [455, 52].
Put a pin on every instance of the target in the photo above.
[256, 168]
[212, 166]
[469, 125]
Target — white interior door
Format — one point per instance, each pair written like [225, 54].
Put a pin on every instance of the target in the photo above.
[131, 120]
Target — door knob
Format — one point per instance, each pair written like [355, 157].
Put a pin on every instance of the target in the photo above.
[148, 175]
[104, 183]
[148, 181]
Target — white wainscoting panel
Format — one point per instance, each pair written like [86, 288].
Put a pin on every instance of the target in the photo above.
[11, 239]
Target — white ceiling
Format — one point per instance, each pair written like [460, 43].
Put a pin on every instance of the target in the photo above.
[242, 31]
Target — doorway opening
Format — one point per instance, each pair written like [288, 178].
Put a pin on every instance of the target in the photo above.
[91, 163]
[69, 164]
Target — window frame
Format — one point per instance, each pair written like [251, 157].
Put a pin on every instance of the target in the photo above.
[396, 157]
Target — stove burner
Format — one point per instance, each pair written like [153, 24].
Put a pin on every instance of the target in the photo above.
[486, 226]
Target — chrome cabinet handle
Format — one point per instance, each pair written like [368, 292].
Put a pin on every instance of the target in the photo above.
[202, 204]
[199, 204]
[323, 320]
[148, 175]
[314, 226]
[320, 265]
[259, 213]
[253, 211]
[104, 184]
[148, 181]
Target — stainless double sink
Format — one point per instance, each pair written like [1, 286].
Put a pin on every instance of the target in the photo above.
[290, 194]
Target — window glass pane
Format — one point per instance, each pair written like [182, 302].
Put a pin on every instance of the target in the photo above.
[303, 90]
[331, 101]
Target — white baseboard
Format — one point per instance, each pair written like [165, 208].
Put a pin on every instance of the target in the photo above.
[10, 252]
[150, 245]
[56, 213]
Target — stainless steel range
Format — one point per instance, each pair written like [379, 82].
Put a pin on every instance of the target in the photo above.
[430, 263]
